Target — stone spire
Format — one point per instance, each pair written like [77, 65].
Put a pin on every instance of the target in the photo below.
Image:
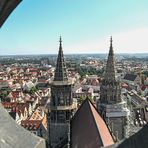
[60, 72]
[62, 107]
[110, 88]
[110, 67]
[111, 106]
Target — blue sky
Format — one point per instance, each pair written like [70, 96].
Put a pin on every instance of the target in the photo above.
[85, 26]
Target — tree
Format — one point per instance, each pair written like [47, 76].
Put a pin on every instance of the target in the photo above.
[3, 95]
[145, 73]
[81, 99]
[33, 90]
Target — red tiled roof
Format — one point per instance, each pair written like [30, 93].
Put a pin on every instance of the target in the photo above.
[31, 124]
[124, 85]
[15, 94]
[9, 105]
[103, 130]
[88, 128]
[143, 87]
[16, 107]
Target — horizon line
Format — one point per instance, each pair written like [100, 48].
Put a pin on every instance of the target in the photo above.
[71, 53]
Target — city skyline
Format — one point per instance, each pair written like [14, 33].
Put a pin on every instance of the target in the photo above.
[85, 27]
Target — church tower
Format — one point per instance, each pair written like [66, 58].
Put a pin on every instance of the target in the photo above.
[62, 106]
[111, 106]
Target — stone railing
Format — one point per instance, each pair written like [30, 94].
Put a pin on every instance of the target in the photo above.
[73, 106]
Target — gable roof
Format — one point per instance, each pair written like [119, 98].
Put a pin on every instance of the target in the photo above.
[31, 125]
[13, 135]
[16, 107]
[130, 77]
[88, 130]
[144, 87]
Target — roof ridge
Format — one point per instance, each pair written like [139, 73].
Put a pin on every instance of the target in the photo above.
[90, 103]
[96, 123]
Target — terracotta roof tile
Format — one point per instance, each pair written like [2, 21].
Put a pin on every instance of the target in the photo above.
[103, 130]
[31, 124]
[88, 128]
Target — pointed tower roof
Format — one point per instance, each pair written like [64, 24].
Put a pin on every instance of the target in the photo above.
[110, 67]
[60, 71]
[88, 128]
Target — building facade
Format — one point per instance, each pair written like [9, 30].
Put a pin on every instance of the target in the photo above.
[62, 106]
[111, 106]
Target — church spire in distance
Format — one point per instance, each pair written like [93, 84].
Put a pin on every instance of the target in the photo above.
[60, 71]
[111, 105]
[110, 67]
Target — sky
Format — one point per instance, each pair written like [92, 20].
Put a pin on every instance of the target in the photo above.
[34, 27]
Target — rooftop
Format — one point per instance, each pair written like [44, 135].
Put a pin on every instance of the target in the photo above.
[130, 77]
[88, 128]
[14, 136]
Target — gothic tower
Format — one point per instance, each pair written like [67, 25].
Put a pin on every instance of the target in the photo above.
[62, 106]
[111, 106]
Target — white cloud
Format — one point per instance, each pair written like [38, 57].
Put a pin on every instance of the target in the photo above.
[133, 41]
